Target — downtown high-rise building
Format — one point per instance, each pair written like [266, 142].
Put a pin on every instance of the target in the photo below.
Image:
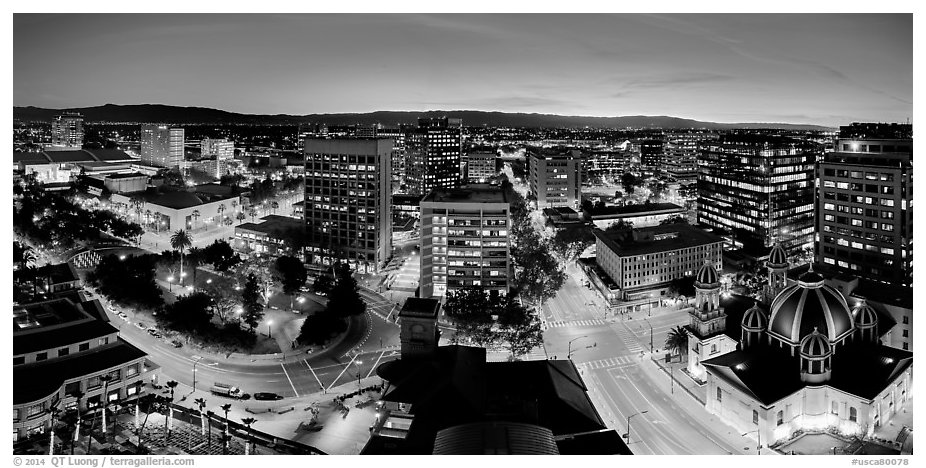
[347, 201]
[760, 189]
[67, 132]
[555, 179]
[681, 155]
[162, 145]
[433, 152]
[652, 155]
[219, 151]
[865, 203]
[481, 166]
[465, 240]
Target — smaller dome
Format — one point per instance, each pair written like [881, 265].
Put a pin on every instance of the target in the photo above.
[754, 319]
[864, 315]
[778, 258]
[707, 275]
[815, 345]
[810, 279]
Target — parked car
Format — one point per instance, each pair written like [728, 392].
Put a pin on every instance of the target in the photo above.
[123, 315]
[153, 332]
[141, 325]
[176, 343]
[267, 396]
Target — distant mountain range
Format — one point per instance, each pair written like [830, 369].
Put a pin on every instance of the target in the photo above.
[203, 115]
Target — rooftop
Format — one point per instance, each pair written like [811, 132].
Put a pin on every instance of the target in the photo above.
[59, 273]
[635, 210]
[473, 193]
[420, 307]
[655, 239]
[126, 176]
[36, 381]
[273, 225]
[406, 199]
[53, 323]
[177, 200]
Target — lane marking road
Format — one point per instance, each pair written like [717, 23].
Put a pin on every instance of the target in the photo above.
[290, 380]
[343, 371]
[320, 384]
[375, 363]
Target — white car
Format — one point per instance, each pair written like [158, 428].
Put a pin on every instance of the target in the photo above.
[123, 315]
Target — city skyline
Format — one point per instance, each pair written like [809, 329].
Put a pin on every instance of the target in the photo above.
[835, 68]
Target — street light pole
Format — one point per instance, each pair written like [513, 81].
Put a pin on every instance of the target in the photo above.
[627, 435]
[758, 440]
[569, 349]
[269, 332]
[194, 371]
[652, 348]
[359, 385]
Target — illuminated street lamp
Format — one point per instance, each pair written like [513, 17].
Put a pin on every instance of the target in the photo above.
[269, 322]
[358, 362]
[170, 282]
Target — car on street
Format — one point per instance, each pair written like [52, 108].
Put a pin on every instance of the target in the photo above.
[154, 332]
[267, 396]
[141, 326]
[176, 343]
[123, 315]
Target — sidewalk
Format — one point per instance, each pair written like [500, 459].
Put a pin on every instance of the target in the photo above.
[688, 403]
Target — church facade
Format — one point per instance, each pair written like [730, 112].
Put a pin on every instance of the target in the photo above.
[806, 361]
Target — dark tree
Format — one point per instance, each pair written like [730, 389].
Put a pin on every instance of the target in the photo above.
[320, 327]
[344, 298]
[130, 281]
[220, 255]
[628, 181]
[471, 311]
[521, 329]
[251, 302]
[190, 313]
[570, 242]
[291, 273]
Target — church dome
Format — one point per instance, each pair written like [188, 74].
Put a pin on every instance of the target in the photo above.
[815, 345]
[778, 258]
[707, 275]
[810, 305]
[864, 315]
[754, 319]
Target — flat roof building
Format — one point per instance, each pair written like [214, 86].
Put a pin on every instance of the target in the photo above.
[162, 145]
[555, 179]
[465, 240]
[61, 347]
[433, 152]
[347, 201]
[641, 263]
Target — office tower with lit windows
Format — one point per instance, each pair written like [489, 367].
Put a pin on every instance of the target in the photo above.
[681, 155]
[67, 132]
[865, 203]
[760, 189]
[555, 179]
[464, 240]
[433, 152]
[220, 150]
[397, 135]
[162, 145]
[481, 166]
[347, 201]
[652, 155]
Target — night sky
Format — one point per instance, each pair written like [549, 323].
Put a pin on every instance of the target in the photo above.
[828, 69]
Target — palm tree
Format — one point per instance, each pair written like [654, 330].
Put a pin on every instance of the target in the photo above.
[201, 402]
[181, 240]
[275, 205]
[149, 403]
[234, 205]
[79, 395]
[53, 411]
[226, 408]
[677, 341]
[169, 415]
[147, 217]
[241, 216]
[105, 379]
[252, 213]
[247, 443]
[228, 221]
[195, 214]
[221, 210]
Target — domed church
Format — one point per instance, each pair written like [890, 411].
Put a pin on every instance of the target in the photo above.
[806, 362]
